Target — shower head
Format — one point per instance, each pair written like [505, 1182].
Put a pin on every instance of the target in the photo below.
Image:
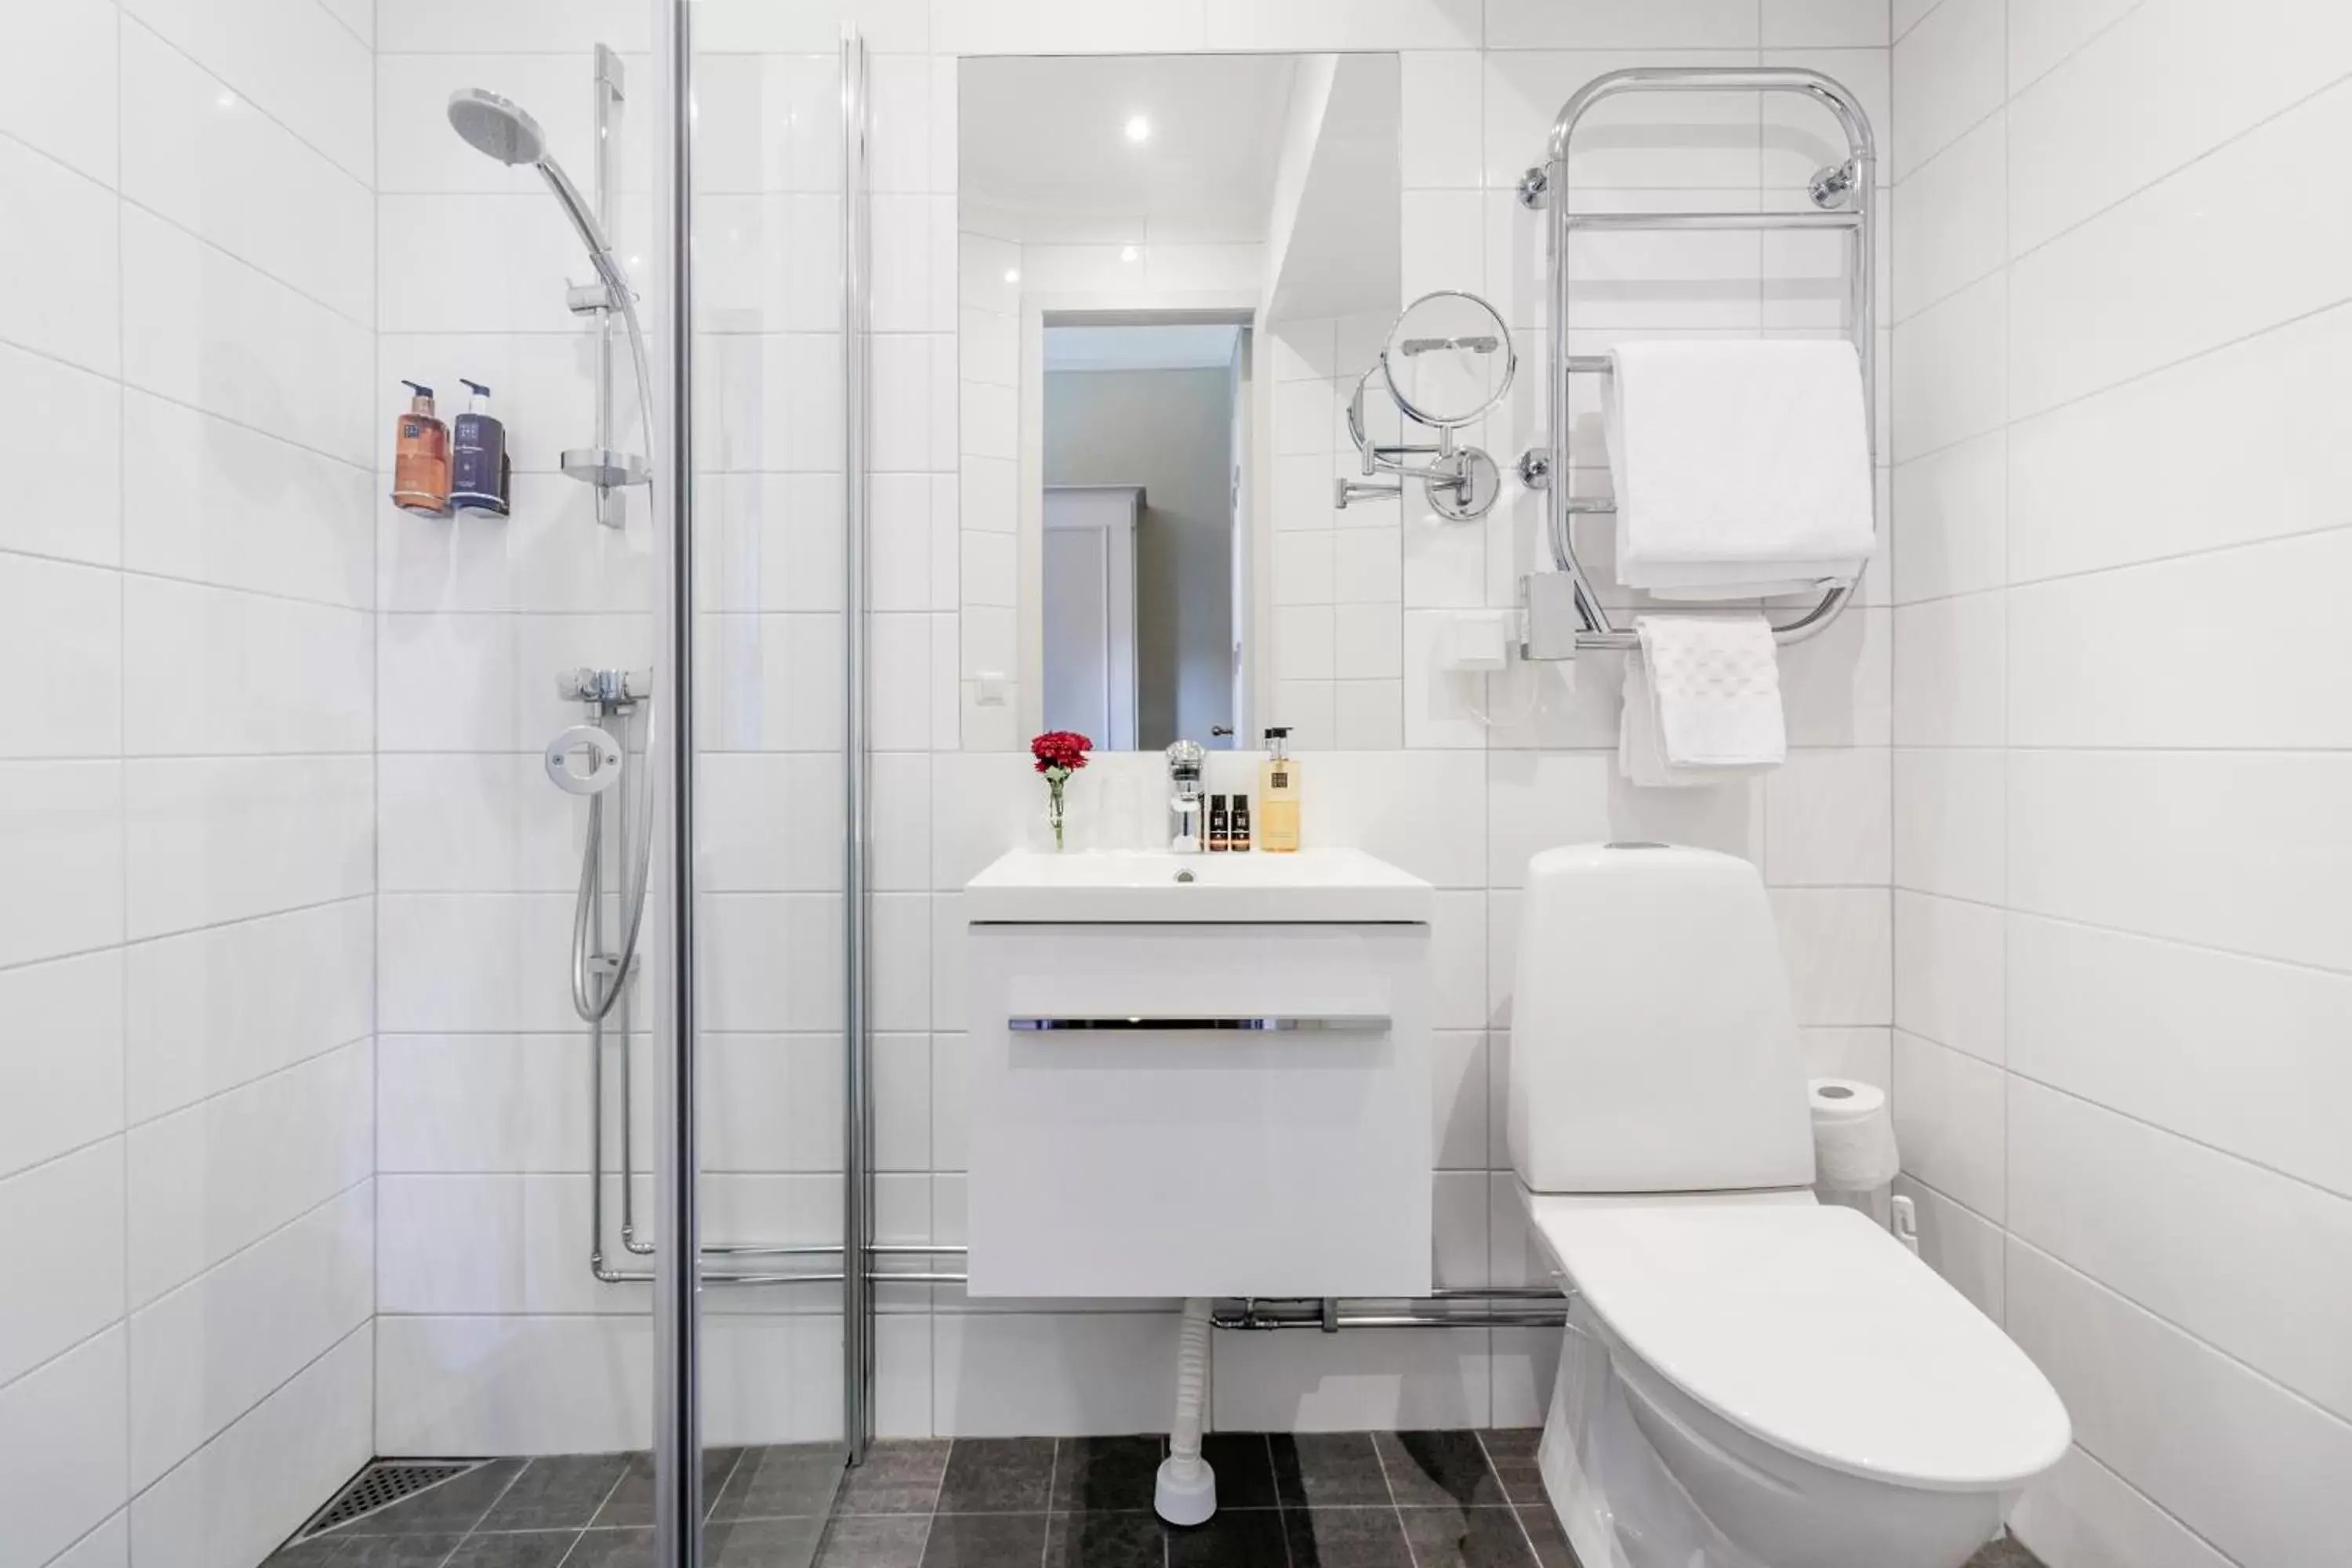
[504, 130]
[496, 126]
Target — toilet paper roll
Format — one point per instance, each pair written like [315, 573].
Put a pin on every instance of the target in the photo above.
[1853, 1136]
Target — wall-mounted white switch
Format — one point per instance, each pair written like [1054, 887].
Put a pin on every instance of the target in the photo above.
[1474, 641]
[989, 688]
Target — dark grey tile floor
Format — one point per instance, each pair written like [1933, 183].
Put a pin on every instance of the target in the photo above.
[1346, 1500]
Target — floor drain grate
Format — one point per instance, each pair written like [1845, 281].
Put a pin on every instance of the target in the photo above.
[381, 1485]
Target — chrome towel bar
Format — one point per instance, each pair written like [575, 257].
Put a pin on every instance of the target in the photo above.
[1561, 615]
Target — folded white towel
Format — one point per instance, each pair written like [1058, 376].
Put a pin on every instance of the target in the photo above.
[1702, 701]
[1742, 467]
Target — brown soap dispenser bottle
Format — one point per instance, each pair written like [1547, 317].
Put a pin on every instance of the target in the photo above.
[420, 464]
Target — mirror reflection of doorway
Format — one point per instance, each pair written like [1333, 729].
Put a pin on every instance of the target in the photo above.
[1140, 530]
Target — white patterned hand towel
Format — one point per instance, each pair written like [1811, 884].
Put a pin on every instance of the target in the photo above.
[1742, 467]
[1702, 701]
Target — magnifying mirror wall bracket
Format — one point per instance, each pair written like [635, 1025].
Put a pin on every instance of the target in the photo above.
[1461, 481]
[1560, 614]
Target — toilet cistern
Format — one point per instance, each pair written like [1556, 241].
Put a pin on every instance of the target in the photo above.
[1185, 761]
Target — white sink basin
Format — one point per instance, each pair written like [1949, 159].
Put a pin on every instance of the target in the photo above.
[1028, 887]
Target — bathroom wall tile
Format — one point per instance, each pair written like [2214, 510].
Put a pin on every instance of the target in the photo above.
[1439, 115]
[2081, 1511]
[58, 86]
[1863, 1053]
[1950, 220]
[251, 1324]
[212, 839]
[472, 961]
[2248, 1478]
[1950, 73]
[249, 1488]
[66, 621]
[1828, 819]
[1623, 24]
[61, 298]
[1949, 1120]
[2162, 655]
[2152, 280]
[1343, 24]
[772, 682]
[423, 26]
[1539, 800]
[219, 1176]
[297, 63]
[1951, 521]
[1383, 1379]
[61, 1071]
[199, 154]
[495, 1245]
[1950, 655]
[1837, 944]
[214, 670]
[1950, 817]
[212, 501]
[1846, 24]
[1949, 974]
[773, 822]
[1835, 688]
[1950, 376]
[1706, 143]
[1802, 137]
[2123, 1202]
[2089, 132]
[213, 1009]
[61, 849]
[2043, 35]
[1051, 1374]
[483, 1102]
[202, 328]
[2255, 882]
[1459, 1099]
[61, 436]
[65, 1423]
[65, 1227]
[746, 987]
[2133, 1024]
[2242, 425]
[1423, 811]
[107, 1546]
[521, 1392]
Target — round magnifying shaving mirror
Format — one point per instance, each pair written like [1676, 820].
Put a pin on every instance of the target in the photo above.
[1448, 359]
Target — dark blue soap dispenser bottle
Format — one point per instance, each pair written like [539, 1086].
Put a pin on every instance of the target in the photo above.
[479, 469]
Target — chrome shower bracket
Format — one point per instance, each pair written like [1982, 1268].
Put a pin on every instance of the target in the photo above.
[602, 465]
[605, 692]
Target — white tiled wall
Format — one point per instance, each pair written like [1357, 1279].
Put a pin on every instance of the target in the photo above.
[187, 588]
[2123, 967]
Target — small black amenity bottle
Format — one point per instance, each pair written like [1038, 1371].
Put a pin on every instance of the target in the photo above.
[1220, 832]
[1238, 836]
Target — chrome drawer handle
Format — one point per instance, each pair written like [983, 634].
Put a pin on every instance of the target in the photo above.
[1285, 1024]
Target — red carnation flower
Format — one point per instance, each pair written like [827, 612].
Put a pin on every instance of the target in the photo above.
[1060, 748]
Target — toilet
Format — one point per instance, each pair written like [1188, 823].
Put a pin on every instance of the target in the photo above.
[1749, 1379]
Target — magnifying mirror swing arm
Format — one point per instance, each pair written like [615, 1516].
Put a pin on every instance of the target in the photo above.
[1461, 481]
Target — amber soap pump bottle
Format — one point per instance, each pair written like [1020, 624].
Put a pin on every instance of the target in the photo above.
[420, 464]
[1277, 796]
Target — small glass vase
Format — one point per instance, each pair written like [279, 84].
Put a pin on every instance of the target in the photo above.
[1057, 810]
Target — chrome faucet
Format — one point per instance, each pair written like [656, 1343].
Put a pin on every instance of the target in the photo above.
[1185, 760]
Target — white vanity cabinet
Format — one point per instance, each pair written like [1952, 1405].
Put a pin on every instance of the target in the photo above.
[1168, 1106]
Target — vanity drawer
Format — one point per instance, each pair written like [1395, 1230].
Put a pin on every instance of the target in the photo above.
[1200, 1111]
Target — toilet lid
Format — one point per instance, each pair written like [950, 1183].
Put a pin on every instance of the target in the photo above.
[1812, 1328]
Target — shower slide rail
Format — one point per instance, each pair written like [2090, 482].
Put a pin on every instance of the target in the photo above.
[1562, 616]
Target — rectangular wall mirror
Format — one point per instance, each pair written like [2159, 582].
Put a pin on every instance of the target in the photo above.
[1172, 270]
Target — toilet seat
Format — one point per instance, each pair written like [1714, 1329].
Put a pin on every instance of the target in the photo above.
[1815, 1330]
